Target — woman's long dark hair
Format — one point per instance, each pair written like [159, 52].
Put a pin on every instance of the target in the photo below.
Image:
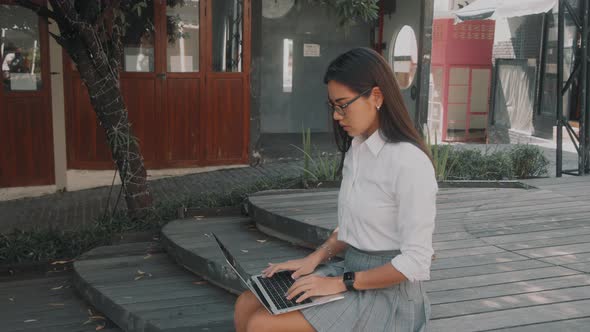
[360, 69]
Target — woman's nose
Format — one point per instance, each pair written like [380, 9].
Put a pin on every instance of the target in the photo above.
[337, 116]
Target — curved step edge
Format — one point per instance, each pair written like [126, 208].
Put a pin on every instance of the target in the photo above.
[129, 320]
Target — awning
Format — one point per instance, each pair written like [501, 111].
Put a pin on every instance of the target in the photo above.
[495, 9]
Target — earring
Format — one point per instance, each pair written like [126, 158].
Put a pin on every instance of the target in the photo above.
[379, 108]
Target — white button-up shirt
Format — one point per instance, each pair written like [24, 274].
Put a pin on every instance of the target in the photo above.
[387, 201]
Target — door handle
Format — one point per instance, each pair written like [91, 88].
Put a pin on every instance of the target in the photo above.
[161, 76]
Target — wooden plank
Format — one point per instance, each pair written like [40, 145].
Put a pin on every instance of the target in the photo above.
[522, 287]
[569, 325]
[33, 305]
[550, 241]
[475, 260]
[567, 259]
[556, 250]
[486, 269]
[462, 252]
[542, 235]
[499, 278]
[510, 302]
[515, 317]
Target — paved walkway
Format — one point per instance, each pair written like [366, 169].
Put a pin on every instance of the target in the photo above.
[71, 209]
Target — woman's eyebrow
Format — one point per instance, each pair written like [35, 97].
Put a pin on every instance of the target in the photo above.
[338, 100]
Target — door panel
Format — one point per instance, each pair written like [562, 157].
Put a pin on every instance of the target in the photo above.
[141, 100]
[225, 119]
[26, 129]
[86, 139]
[183, 121]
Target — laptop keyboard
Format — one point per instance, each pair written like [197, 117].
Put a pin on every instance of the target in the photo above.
[277, 287]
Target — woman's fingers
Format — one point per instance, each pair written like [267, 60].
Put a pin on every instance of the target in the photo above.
[305, 296]
[274, 268]
[299, 286]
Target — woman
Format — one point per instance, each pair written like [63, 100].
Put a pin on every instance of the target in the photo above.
[386, 212]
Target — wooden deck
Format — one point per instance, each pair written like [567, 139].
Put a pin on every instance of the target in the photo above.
[506, 260]
[46, 303]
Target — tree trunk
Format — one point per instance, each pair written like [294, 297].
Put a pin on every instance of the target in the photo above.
[107, 100]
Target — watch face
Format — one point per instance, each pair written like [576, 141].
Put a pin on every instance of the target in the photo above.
[276, 8]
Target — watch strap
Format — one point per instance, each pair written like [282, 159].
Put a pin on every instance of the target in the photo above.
[348, 279]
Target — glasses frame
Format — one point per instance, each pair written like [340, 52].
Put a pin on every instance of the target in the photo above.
[341, 109]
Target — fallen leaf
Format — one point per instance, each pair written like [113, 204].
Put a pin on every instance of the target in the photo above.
[62, 262]
[261, 241]
[11, 299]
[141, 274]
[244, 250]
[30, 320]
[147, 256]
[100, 327]
[58, 287]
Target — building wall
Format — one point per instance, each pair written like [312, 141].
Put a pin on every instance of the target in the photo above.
[278, 106]
[518, 37]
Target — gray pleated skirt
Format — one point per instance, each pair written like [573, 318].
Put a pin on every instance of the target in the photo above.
[400, 308]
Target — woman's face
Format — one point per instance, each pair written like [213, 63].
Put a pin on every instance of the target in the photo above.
[361, 117]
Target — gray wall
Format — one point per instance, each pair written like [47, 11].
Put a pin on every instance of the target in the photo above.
[418, 15]
[289, 112]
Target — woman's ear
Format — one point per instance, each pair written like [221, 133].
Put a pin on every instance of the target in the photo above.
[377, 96]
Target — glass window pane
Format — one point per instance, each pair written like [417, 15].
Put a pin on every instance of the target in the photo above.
[458, 94]
[227, 32]
[138, 42]
[459, 76]
[182, 23]
[457, 112]
[20, 50]
[480, 90]
[478, 122]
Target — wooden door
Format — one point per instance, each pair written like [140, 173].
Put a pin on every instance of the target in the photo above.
[227, 81]
[185, 111]
[25, 100]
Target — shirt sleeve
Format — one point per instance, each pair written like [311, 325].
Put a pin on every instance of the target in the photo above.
[416, 189]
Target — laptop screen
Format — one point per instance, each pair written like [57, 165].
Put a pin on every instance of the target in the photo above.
[232, 261]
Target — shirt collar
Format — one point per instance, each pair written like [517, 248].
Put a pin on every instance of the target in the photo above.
[375, 142]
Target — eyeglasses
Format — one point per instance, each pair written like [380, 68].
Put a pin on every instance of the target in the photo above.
[341, 109]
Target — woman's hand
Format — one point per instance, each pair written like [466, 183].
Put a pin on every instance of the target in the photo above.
[302, 266]
[315, 285]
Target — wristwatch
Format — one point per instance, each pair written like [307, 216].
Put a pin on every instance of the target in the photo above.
[348, 279]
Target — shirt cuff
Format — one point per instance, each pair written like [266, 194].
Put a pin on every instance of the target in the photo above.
[410, 268]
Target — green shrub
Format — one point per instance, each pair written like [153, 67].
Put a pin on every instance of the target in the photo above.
[528, 161]
[47, 244]
[319, 167]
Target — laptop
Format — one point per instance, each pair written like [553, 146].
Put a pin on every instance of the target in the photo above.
[271, 291]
